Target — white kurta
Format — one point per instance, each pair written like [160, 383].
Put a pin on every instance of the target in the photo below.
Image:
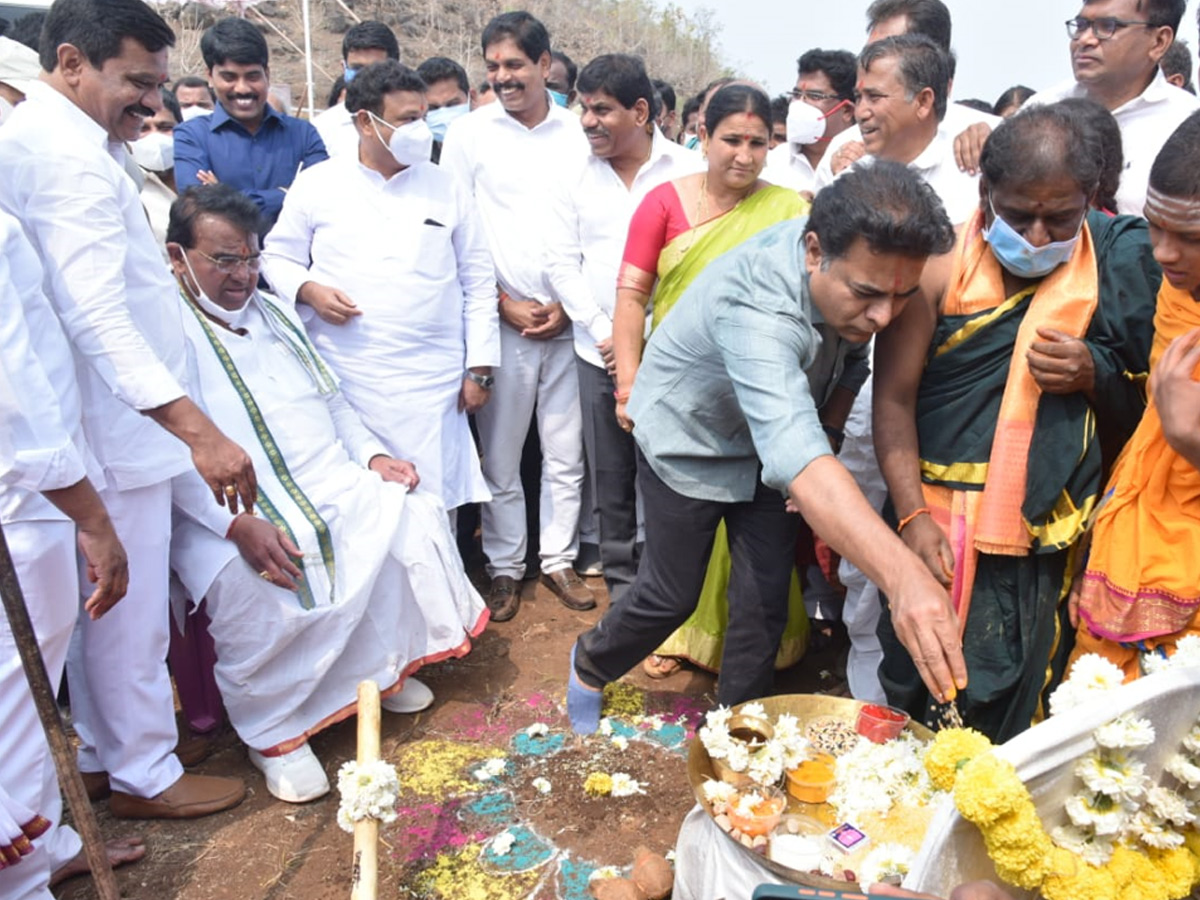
[43, 449]
[384, 588]
[409, 252]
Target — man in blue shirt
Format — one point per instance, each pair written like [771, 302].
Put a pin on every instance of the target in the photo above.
[741, 392]
[244, 143]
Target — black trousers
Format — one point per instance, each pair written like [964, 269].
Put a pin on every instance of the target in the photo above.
[612, 468]
[679, 540]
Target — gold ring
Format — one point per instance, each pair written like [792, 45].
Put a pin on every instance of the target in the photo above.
[265, 574]
[230, 490]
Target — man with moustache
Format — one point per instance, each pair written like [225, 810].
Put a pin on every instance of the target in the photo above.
[512, 154]
[1116, 48]
[591, 217]
[65, 181]
[245, 142]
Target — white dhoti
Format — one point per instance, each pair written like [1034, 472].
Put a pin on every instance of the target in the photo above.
[30, 803]
[383, 590]
[286, 672]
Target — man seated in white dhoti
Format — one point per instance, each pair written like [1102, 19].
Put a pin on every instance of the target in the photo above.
[342, 574]
[386, 260]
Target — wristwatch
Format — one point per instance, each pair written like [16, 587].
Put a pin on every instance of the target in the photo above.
[484, 381]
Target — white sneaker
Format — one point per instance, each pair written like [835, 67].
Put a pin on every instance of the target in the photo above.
[295, 777]
[411, 698]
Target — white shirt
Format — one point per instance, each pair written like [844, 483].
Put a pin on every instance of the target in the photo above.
[105, 277]
[40, 416]
[958, 119]
[336, 128]
[513, 172]
[409, 251]
[1146, 122]
[788, 167]
[959, 192]
[590, 224]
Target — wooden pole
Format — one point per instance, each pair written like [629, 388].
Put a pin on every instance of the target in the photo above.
[366, 832]
[56, 734]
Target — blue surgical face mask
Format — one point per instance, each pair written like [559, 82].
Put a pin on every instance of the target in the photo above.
[348, 76]
[560, 99]
[439, 119]
[1019, 256]
[693, 142]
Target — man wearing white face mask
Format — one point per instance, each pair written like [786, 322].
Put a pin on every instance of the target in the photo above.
[822, 107]
[154, 152]
[346, 575]
[448, 96]
[385, 258]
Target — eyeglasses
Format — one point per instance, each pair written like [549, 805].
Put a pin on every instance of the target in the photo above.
[227, 264]
[813, 96]
[1104, 27]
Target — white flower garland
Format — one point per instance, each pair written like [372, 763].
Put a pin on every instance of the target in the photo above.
[787, 749]
[369, 791]
[872, 777]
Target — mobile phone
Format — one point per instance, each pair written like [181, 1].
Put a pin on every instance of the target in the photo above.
[794, 891]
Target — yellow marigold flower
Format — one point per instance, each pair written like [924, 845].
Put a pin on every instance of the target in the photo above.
[1191, 840]
[1125, 865]
[988, 788]
[1177, 867]
[951, 748]
[1023, 863]
[1020, 827]
[598, 784]
[1070, 878]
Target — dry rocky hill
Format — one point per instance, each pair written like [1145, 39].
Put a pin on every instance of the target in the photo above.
[678, 48]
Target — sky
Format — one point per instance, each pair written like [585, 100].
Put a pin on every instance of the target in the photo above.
[998, 43]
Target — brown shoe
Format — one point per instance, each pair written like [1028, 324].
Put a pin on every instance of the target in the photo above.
[191, 797]
[504, 598]
[96, 785]
[570, 589]
[194, 749]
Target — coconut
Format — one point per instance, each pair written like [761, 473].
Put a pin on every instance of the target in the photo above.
[615, 889]
[653, 874]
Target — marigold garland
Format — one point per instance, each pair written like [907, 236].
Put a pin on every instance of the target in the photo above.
[989, 794]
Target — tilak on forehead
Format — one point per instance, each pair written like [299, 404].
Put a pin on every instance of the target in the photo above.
[1174, 213]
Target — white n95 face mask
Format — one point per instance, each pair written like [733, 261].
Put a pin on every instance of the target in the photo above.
[410, 144]
[194, 112]
[154, 151]
[805, 123]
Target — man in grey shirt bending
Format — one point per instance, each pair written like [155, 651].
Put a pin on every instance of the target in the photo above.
[742, 391]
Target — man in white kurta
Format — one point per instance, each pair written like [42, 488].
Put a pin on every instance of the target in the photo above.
[346, 576]
[402, 243]
[43, 450]
[65, 181]
[511, 154]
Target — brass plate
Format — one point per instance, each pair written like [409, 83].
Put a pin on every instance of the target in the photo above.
[804, 707]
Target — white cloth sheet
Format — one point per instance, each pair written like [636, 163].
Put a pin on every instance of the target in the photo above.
[384, 588]
[1044, 757]
[410, 253]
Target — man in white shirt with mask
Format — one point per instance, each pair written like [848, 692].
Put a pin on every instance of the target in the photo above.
[365, 43]
[591, 214]
[67, 185]
[385, 257]
[154, 152]
[822, 107]
[512, 154]
[448, 96]
[194, 96]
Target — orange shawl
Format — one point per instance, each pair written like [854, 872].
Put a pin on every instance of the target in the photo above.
[1143, 576]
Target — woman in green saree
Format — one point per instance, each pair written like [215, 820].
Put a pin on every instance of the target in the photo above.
[679, 228]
